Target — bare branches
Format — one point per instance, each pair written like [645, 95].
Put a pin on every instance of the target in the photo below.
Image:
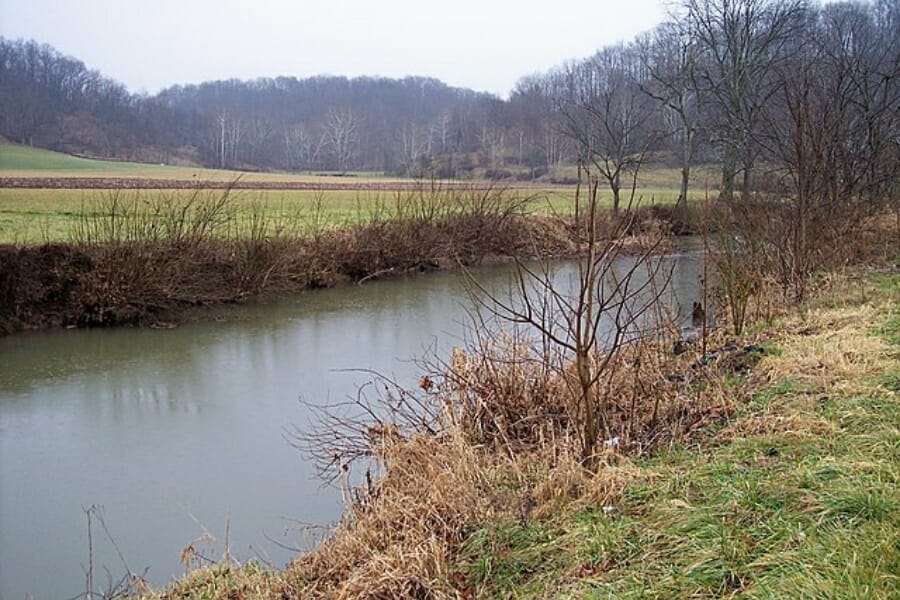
[581, 328]
[356, 429]
[607, 116]
[129, 584]
[341, 130]
[671, 56]
[741, 43]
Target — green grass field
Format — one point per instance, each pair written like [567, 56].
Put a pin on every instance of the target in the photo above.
[29, 216]
[24, 161]
[36, 216]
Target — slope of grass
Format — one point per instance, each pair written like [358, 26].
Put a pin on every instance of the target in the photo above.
[797, 497]
[24, 161]
[16, 158]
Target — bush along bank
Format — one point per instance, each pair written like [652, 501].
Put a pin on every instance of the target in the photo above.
[140, 261]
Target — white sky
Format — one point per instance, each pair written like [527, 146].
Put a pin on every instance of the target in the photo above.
[482, 44]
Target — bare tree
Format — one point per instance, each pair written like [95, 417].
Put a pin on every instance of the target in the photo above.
[227, 136]
[741, 43]
[259, 132]
[493, 140]
[303, 148]
[670, 56]
[412, 144]
[341, 129]
[440, 132]
[828, 129]
[582, 329]
[607, 117]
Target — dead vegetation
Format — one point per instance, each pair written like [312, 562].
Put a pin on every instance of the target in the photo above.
[489, 439]
[506, 450]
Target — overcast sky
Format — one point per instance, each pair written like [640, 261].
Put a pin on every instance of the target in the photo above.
[482, 44]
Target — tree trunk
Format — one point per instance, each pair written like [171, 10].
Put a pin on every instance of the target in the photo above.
[745, 184]
[615, 185]
[729, 169]
[685, 169]
[683, 192]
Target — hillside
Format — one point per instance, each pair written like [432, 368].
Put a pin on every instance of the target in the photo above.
[20, 161]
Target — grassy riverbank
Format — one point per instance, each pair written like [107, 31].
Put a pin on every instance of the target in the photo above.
[774, 477]
[144, 259]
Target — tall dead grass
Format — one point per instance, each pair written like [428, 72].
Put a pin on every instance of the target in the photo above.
[496, 440]
[489, 437]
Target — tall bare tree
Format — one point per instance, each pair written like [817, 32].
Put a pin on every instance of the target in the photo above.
[342, 134]
[670, 56]
[741, 43]
[608, 117]
[412, 143]
[831, 130]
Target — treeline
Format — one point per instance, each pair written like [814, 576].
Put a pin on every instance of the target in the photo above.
[778, 92]
[750, 84]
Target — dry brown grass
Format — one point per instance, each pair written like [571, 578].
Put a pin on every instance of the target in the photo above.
[830, 349]
[569, 486]
[225, 582]
[505, 451]
[398, 540]
[402, 540]
[791, 425]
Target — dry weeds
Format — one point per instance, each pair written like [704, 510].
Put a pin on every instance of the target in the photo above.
[830, 350]
[504, 450]
[791, 425]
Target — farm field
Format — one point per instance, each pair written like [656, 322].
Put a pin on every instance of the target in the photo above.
[32, 215]
[18, 161]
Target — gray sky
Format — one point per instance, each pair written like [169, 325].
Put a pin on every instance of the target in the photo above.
[482, 44]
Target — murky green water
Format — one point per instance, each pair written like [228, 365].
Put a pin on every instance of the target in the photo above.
[180, 432]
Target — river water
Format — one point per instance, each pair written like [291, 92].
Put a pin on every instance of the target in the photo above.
[180, 433]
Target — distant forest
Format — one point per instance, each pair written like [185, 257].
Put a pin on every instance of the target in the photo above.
[721, 83]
